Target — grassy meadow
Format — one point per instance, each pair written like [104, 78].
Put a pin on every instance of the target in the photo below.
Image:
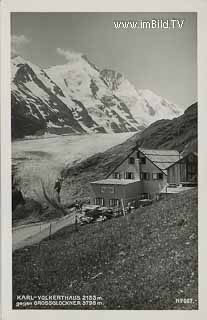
[145, 260]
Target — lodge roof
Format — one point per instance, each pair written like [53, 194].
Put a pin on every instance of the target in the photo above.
[115, 181]
[161, 158]
[183, 158]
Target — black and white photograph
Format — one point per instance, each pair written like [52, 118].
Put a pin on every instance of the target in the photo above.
[104, 150]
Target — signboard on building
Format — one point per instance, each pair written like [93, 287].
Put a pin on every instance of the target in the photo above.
[107, 189]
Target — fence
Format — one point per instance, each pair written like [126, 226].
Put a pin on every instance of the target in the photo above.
[34, 233]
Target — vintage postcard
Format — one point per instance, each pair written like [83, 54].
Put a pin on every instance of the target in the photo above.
[103, 111]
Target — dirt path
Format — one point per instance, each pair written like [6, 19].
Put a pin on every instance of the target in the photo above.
[26, 235]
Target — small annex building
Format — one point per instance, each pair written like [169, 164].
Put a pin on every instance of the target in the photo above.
[141, 175]
[184, 171]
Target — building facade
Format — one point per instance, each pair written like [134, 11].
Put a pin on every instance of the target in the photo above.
[141, 175]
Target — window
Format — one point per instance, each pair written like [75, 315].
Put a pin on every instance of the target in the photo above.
[131, 160]
[143, 160]
[157, 176]
[99, 201]
[116, 175]
[144, 196]
[160, 176]
[129, 175]
[114, 202]
[145, 176]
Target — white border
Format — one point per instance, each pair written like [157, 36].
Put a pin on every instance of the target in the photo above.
[92, 6]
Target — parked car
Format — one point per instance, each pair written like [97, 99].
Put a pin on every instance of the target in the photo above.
[101, 219]
[106, 212]
[145, 202]
[94, 213]
[117, 212]
[86, 220]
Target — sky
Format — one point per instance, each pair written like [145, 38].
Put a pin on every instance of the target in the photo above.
[161, 60]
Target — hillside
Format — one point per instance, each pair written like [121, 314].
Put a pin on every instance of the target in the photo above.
[172, 134]
[78, 98]
[145, 260]
[179, 133]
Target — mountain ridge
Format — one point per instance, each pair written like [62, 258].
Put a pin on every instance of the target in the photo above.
[78, 98]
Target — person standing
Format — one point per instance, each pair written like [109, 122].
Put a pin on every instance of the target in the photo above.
[57, 187]
[77, 207]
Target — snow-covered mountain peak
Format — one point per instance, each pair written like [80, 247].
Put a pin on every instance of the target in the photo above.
[79, 64]
[160, 104]
[77, 97]
[18, 62]
[145, 106]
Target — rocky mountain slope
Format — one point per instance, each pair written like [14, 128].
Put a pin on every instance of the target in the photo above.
[179, 133]
[79, 98]
[145, 106]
